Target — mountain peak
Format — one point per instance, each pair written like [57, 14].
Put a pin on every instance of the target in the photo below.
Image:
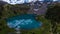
[2, 3]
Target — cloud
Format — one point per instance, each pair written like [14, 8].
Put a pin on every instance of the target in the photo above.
[55, 0]
[16, 1]
[21, 1]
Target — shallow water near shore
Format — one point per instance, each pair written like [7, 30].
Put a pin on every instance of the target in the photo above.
[24, 21]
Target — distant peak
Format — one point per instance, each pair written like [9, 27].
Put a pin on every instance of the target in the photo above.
[2, 2]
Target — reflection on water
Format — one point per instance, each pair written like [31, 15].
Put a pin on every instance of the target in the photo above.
[23, 22]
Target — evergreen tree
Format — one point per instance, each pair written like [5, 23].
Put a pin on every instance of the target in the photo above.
[53, 14]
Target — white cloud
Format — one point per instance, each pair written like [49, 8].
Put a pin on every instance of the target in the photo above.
[41, 0]
[14, 1]
[21, 1]
[55, 0]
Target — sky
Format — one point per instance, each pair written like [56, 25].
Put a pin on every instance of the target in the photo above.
[17, 1]
[20, 1]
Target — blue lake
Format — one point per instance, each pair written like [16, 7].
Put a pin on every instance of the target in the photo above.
[24, 21]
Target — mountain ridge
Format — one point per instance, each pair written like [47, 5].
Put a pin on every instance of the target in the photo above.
[3, 3]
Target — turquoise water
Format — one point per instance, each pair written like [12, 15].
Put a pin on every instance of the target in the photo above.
[25, 21]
